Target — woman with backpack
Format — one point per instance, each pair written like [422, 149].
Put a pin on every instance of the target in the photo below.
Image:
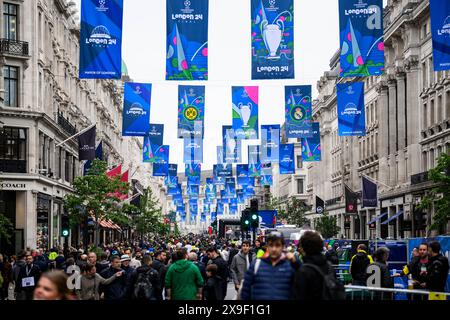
[90, 282]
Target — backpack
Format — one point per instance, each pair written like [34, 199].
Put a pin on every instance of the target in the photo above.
[359, 266]
[143, 289]
[332, 289]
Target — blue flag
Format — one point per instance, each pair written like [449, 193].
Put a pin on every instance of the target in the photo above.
[351, 111]
[223, 171]
[193, 150]
[245, 112]
[440, 31]
[254, 161]
[136, 109]
[187, 40]
[191, 111]
[272, 39]
[101, 39]
[231, 146]
[311, 148]
[287, 164]
[154, 150]
[98, 155]
[210, 189]
[233, 205]
[173, 170]
[270, 143]
[362, 42]
[193, 173]
[369, 194]
[266, 175]
[220, 155]
[249, 191]
[298, 112]
[160, 169]
[240, 196]
[242, 174]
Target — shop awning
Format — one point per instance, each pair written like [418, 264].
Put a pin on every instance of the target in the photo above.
[398, 214]
[377, 218]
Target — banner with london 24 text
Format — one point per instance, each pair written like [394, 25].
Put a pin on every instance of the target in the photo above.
[254, 161]
[270, 143]
[361, 37]
[272, 39]
[101, 39]
[193, 173]
[245, 112]
[232, 151]
[191, 111]
[287, 165]
[193, 150]
[154, 150]
[242, 174]
[351, 110]
[440, 31]
[136, 109]
[187, 40]
[311, 147]
[298, 112]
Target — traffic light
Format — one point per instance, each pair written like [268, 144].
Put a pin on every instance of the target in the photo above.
[65, 226]
[254, 214]
[246, 220]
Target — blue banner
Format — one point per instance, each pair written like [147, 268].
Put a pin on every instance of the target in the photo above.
[191, 111]
[231, 145]
[101, 39]
[230, 190]
[266, 174]
[298, 112]
[267, 218]
[249, 191]
[223, 170]
[369, 194]
[193, 191]
[287, 156]
[154, 150]
[242, 174]
[362, 42]
[311, 148]
[272, 39]
[233, 205]
[160, 169]
[240, 195]
[187, 40]
[173, 170]
[171, 183]
[254, 161]
[220, 155]
[351, 110]
[440, 31]
[220, 208]
[210, 189]
[193, 150]
[136, 109]
[270, 143]
[193, 173]
[245, 112]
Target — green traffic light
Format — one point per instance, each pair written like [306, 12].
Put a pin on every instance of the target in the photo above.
[254, 217]
[247, 222]
[65, 233]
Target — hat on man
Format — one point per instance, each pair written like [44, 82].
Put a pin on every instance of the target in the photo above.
[125, 257]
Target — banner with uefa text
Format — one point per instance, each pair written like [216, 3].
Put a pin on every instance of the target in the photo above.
[136, 109]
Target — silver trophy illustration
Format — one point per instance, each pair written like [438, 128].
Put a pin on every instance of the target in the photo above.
[272, 35]
[245, 113]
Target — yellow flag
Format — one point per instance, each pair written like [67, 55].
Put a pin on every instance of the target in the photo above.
[437, 296]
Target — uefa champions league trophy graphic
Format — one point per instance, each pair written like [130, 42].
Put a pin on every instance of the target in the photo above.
[231, 144]
[272, 36]
[245, 113]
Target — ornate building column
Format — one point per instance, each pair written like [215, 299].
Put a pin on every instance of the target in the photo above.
[392, 110]
[401, 125]
[383, 141]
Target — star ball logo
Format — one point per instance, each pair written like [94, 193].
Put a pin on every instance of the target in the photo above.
[445, 28]
[187, 4]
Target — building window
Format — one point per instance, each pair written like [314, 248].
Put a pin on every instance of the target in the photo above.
[13, 149]
[299, 162]
[424, 75]
[447, 104]
[432, 114]
[11, 79]
[10, 21]
[425, 116]
[431, 159]
[300, 186]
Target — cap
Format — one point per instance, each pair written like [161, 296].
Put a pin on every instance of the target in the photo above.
[125, 257]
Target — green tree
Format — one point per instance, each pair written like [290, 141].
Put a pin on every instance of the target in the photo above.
[327, 226]
[6, 228]
[148, 217]
[94, 196]
[439, 196]
[293, 211]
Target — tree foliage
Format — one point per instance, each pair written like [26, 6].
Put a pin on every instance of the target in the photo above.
[439, 196]
[6, 228]
[148, 217]
[293, 210]
[327, 226]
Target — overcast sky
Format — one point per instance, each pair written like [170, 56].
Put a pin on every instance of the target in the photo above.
[144, 51]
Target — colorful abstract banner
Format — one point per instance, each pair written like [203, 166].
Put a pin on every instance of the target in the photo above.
[270, 143]
[351, 110]
[298, 112]
[171, 182]
[266, 174]
[101, 39]
[272, 39]
[311, 148]
[187, 40]
[440, 31]
[249, 191]
[287, 156]
[154, 151]
[240, 195]
[191, 111]
[193, 173]
[254, 161]
[136, 109]
[160, 169]
[232, 146]
[362, 42]
[210, 189]
[245, 112]
[233, 205]
[242, 174]
[193, 150]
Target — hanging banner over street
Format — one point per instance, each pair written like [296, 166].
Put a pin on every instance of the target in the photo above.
[369, 194]
[101, 39]
[270, 143]
[191, 111]
[210, 189]
[223, 170]
[298, 112]
[240, 196]
[254, 161]
[173, 170]
[272, 39]
[287, 165]
[311, 148]
[351, 110]
[187, 40]
[193, 150]
[232, 150]
[136, 109]
[266, 174]
[362, 42]
[86, 145]
[245, 112]
[160, 169]
[440, 31]
[154, 151]
[242, 174]
[193, 173]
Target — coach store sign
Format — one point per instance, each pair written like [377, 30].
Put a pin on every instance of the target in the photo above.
[13, 186]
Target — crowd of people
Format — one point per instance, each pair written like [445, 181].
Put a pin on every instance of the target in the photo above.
[197, 267]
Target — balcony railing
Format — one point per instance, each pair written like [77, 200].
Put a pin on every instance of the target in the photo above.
[13, 47]
[66, 125]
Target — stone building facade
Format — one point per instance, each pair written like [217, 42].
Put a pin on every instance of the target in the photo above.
[408, 128]
[42, 103]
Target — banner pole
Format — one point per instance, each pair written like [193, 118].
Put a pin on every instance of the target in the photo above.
[76, 135]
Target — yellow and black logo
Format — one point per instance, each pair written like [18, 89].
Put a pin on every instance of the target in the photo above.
[191, 113]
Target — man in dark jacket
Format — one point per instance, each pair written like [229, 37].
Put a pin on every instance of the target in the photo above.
[437, 269]
[358, 266]
[201, 267]
[271, 278]
[222, 267]
[129, 272]
[27, 279]
[233, 251]
[115, 290]
[159, 264]
[146, 271]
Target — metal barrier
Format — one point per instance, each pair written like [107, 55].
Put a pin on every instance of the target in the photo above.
[372, 293]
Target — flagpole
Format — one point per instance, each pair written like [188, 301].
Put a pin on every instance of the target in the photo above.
[376, 181]
[76, 135]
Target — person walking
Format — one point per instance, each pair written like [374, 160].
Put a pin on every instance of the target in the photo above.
[27, 279]
[52, 286]
[116, 289]
[183, 279]
[240, 264]
[160, 265]
[145, 282]
[213, 287]
[91, 281]
[222, 267]
[358, 266]
[438, 268]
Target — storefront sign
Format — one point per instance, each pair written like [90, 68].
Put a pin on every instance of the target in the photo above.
[13, 186]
